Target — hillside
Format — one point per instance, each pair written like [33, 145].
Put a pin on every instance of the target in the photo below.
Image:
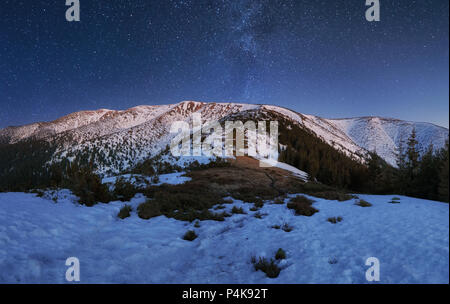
[385, 135]
[117, 140]
[213, 221]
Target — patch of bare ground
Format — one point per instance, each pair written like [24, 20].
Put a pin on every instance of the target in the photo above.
[242, 179]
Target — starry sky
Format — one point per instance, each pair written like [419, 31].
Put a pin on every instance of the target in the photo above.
[315, 57]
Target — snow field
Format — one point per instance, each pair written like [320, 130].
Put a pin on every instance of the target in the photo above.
[37, 235]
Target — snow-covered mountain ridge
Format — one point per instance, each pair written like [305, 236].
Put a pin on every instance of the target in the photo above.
[386, 136]
[132, 135]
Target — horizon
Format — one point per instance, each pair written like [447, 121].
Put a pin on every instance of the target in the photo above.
[312, 57]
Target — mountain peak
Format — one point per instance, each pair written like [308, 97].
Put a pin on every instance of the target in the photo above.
[144, 129]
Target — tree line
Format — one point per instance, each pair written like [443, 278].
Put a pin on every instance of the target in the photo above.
[424, 176]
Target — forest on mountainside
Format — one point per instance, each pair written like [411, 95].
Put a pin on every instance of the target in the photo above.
[424, 176]
[26, 165]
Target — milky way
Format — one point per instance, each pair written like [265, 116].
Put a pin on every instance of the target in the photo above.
[317, 57]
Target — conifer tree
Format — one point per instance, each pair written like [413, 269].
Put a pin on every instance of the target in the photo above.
[401, 174]
[426, 181]
[412, 153]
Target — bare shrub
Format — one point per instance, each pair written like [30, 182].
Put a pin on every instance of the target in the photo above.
[363, 203]
[302, 206]
[124, 212]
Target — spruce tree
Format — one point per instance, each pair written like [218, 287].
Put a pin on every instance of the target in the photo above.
[411, 165]
[426, 182]
[401, 173]
[412, 152]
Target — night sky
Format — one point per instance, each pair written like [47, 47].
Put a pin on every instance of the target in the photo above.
[315, 57]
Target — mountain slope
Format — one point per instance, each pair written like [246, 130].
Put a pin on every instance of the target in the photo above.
[385, 136]
[116, 140]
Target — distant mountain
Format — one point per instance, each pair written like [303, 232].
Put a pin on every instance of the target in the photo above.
[116, 140]
[386, 135]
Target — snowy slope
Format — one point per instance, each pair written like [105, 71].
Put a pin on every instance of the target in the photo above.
[170, 179]
[118, 139]
[328, 132]
[385, 136]
[132, 145]
[37, 236]
[45, 129]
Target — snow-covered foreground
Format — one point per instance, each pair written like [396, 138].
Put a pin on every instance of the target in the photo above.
[37, 235]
